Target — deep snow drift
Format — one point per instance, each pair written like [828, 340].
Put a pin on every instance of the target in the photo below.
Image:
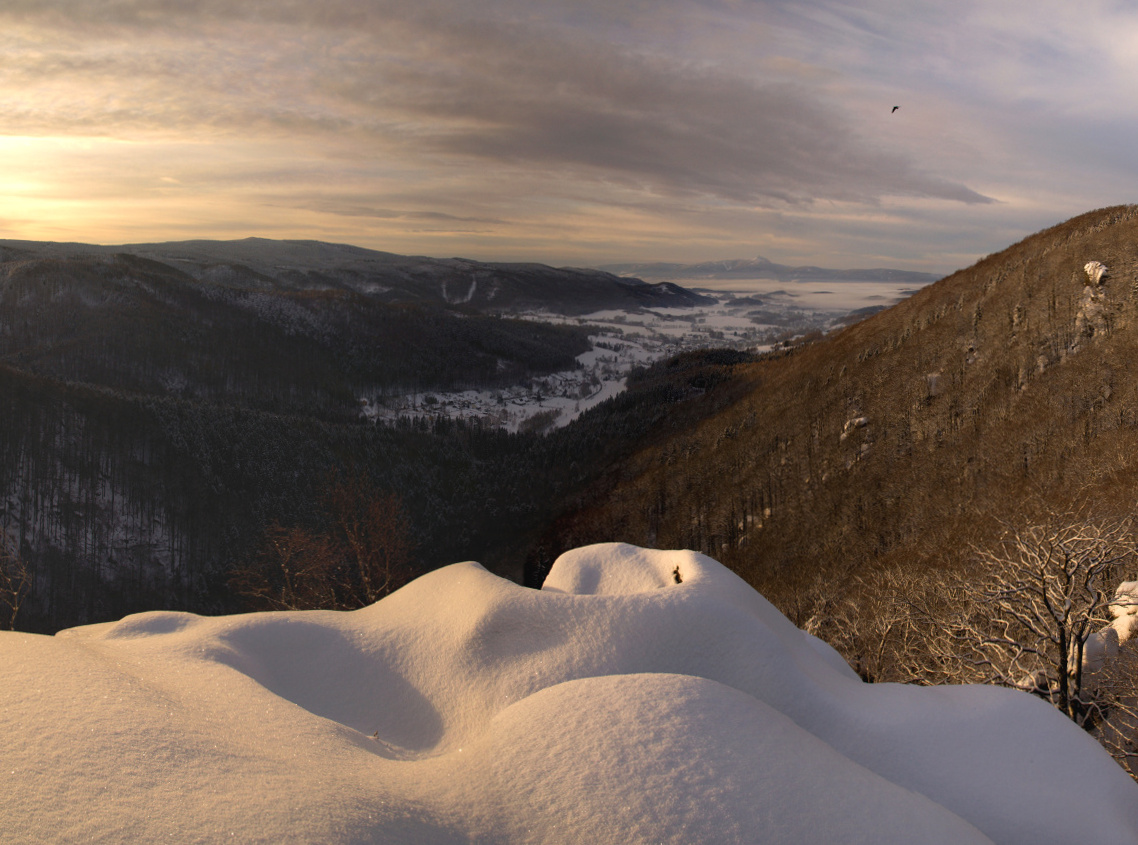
[614, 705]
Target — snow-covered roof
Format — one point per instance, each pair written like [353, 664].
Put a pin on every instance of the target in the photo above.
[613, 706]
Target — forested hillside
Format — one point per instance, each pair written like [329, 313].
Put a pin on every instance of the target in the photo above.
[155, 424]
[122, 503]
[159, 425]
[140, 326]
[910, 442]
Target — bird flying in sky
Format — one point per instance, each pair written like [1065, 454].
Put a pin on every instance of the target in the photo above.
[895, 109]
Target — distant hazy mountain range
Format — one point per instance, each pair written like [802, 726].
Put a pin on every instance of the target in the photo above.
[261, 264]
[761, 268]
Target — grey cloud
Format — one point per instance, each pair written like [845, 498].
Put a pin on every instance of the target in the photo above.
[108, 15]
[510, 96]
[559, 104]
[349, 208]
[512, 86]
[330, 14]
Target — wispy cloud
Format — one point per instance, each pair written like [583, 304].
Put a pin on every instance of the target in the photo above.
[389, 122]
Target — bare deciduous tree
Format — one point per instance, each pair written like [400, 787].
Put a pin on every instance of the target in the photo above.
[887, 625]
[15, 579]
[373, 530]
[1032, 610]
[1116, 695]
[1034, 614]
[361, 554]
[294, 570]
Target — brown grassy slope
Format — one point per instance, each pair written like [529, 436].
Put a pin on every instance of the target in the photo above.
[992, 395]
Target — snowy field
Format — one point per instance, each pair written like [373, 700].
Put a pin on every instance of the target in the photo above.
[639, 697]
[840, 295]
[753, 314]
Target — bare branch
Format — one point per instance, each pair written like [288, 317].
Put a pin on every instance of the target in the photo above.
[16, 580]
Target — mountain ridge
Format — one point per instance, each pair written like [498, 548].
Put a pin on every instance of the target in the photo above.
[316, 265]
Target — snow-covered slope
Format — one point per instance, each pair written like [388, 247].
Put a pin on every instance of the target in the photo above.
[640, 696]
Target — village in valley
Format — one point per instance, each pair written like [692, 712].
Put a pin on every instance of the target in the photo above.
[765, 314]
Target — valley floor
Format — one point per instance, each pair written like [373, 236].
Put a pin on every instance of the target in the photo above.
[754, 315]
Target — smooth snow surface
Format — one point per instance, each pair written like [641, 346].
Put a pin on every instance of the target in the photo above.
[613, 706]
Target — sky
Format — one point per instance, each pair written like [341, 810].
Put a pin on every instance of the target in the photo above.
[576, 132]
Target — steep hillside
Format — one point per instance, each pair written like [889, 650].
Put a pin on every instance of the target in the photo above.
[1000, 393]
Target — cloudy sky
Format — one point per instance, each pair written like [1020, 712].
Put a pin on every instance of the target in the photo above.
[569, 131]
